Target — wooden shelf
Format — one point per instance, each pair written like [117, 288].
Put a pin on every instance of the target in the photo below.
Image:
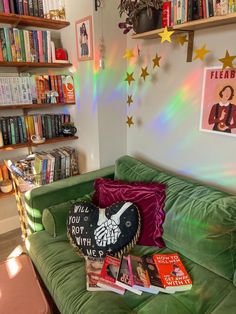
[33, 106]
[47, 142]
[192, 26]
[56, 140]
[5, 195]
[34, 64]
[25, 20]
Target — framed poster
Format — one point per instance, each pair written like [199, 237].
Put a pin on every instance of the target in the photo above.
[218, 109]
[84, 38]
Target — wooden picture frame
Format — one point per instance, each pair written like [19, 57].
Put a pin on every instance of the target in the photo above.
[84, 38]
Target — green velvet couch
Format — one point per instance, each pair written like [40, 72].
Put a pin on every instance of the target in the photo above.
[200, 224]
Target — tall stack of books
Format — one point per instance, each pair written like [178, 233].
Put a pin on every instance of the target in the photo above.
[18, 129]
[17, 89]
[153, 274]
[182, 11]
[50, 9]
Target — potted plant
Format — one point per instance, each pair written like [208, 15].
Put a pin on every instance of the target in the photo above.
[142, 15]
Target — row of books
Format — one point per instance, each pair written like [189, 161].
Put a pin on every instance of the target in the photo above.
[44, 167]
[20, 45]
[19, 129]
[51, 9]
[155, 273]
[181, 11]
[55, 165]
[36, 89]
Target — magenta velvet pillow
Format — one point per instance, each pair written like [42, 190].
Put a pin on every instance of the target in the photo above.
[149, 197]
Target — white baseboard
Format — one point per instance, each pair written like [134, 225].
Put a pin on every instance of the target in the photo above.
[9, 224]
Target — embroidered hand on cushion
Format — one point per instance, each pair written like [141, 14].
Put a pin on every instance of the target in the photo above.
[108, 231]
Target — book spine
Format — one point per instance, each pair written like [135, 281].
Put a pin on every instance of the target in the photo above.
[1, 53]
[19, 7]
[16, 33]
[19, 122]
[12, 127]
[25, 138]
[60, 89]
[224, 7]
[1, 6]
[25, 7]
[9, 137]
[211, 8]
[45, 47]
[12, 44]
[49, 53]
[27, 45]
[16, 130]
[166, 14]
[6, 6]
[8, 46]
[36, 45]
[12, 6]
[183, 11]
[31, 7]
[200, 9]
[45, 9]
[40, 6]
[40, 43]
[4, 131]
[22, 45]
[35, 8]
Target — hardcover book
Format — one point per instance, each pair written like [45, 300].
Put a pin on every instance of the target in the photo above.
[109, 274]
[93, 270]
[138, 274]
[123, 278]
[172, 272]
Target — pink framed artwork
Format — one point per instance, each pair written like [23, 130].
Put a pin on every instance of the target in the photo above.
[218, 107]
[84, 38]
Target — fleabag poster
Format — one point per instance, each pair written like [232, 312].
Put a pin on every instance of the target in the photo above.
[218, 108]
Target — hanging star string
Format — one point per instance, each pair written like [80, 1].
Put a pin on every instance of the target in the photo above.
[181, 39]
[144, 73]
[227, 61]
[129, 100]
[129, 54]
[129, 77]
[166, 35]
[201, 53]
[156, 61]
[129, 121]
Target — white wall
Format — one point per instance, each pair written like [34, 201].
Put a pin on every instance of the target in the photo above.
[167, 111]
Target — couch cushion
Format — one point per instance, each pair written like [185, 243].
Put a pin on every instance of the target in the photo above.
[200, 221]
[149, 197]
[54, 217]
[64, 274]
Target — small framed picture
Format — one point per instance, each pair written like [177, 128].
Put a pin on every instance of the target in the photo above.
[218, 109]
[84, 38]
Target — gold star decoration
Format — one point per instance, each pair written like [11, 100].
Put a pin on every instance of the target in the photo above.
[181, 39]
[129, 77]
[166, 35]
[144, 73]
[200, 53]
[129, 121]
[128, 54]
[156, 61]
[129, 100]
[227, 60]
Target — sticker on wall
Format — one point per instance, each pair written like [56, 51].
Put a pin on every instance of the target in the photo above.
[218, 109]
[227, 60]
[201, 53]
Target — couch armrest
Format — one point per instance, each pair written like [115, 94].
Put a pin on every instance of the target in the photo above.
[58, 192]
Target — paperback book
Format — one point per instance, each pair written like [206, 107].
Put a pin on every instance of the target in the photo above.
[93, 270]
[172, 273]
[138, 273]
[109, 274]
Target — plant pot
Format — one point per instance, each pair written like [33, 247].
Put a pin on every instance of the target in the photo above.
[143, 23]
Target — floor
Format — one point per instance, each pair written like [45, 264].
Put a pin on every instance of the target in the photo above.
[11, 244]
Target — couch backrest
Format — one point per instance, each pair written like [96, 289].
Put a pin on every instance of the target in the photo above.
[200, 221]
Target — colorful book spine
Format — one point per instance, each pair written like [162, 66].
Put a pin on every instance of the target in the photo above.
[12, 6]
[8, 46]
[25, 7]
[166, 14]
[40, 8]
[22, 45]
[40, 43]
[1, 6]
[19, 7]
[6, 6]
[35, 8]
[16, 33]
[31, 7]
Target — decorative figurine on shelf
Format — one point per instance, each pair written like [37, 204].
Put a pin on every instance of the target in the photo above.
[36, 139]
[68, 129]
[61, 54]
[52, 97]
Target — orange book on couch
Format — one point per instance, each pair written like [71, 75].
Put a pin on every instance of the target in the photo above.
[172, 272]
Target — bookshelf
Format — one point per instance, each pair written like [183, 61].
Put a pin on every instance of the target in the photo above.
[25, 20]
[20, 21]
[190, 28]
